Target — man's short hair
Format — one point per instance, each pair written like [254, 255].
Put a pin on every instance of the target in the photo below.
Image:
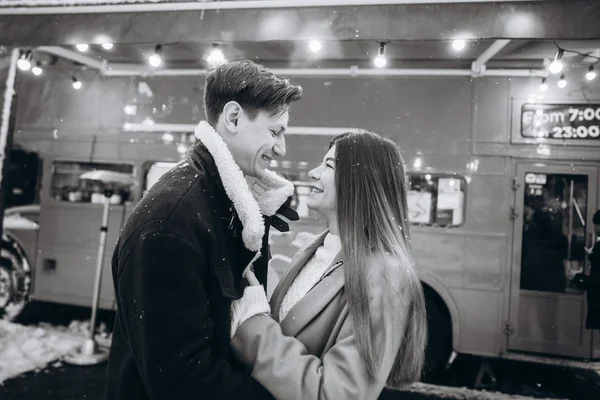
[249, 84]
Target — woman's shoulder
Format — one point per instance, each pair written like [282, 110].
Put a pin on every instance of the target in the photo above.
[379, 262]
[387, 274]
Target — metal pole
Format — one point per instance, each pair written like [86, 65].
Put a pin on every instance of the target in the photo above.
[99, 264]
[90, 354]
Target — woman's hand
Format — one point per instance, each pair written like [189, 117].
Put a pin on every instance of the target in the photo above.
[253, 302]
[251, 278]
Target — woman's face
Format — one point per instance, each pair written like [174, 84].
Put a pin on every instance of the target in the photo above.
[323, 197]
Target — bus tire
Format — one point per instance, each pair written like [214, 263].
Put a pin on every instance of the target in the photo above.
[15, 279]
[439, 336]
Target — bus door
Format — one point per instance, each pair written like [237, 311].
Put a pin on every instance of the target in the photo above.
[554, 206]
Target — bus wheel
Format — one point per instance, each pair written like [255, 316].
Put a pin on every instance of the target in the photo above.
[15, 281]
[439, 336]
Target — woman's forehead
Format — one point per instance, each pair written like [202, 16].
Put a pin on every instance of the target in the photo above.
[330, 153]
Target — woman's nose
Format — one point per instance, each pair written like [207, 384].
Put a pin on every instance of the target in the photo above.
[313, 174]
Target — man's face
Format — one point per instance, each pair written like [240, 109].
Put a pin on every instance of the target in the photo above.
[259, 141]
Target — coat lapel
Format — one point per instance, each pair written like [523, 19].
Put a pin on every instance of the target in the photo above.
[303, 312]
[296, 265]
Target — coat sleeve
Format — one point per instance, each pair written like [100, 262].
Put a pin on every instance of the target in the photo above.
[282, 364]
[166, 312]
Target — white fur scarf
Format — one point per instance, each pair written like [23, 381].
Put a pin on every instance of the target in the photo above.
[250, 196]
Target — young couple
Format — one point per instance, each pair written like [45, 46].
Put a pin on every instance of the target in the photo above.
[193, 321]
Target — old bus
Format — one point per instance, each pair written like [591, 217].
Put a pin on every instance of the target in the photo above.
[503, 186]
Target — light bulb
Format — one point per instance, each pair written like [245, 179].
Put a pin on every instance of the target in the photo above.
[155, 60]
[556, 65]
[591, 74]
[76, 84]
[216, 56]
[458, 44]
[107, 46]
[562, 83]
[82, 47]
[37, 70]
[315, 45]
[543, 85]
[24, 64]
[380, 61]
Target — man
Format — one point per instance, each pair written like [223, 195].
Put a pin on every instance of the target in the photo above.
[179, 260]
[591, 282]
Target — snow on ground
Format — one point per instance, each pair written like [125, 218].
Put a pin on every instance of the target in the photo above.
[26, 348]
[446, 392]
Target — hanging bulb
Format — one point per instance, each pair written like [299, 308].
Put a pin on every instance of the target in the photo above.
[591, 74]
[37, 70]
[216, 56]
[76, 84]
[107, 46]
[562, 83]
[25, 61]
[155, 60]
[543, 85]
[82, 47]
[380, 60]
[556, 65]
[315, 45]
[458, 44]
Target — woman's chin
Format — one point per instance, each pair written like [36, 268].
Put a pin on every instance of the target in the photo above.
[312, 207]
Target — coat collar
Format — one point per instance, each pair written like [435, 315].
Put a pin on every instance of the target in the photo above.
[250, 196]
[317, 298]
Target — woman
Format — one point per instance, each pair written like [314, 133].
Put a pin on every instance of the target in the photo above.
[349, 316]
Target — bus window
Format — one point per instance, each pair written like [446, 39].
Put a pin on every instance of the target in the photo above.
[436, 200]
[553, 230]
[66, 185]
[155, 171]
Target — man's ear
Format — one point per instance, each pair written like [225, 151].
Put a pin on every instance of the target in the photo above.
[232, 112]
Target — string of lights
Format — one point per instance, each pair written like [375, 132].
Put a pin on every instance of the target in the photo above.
[556, 67]
[216, 56]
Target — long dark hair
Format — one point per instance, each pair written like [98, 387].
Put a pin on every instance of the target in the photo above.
[371, 189]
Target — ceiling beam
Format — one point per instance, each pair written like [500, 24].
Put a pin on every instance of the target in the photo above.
[186, 128]
[74, 56]
[120, 69]
[330, 72]
[478, 66]
[117, 6]
[574, 19]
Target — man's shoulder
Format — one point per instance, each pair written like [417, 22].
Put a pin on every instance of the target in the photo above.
[179, 205]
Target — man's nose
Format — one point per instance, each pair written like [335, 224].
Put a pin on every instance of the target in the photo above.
[279, 146]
